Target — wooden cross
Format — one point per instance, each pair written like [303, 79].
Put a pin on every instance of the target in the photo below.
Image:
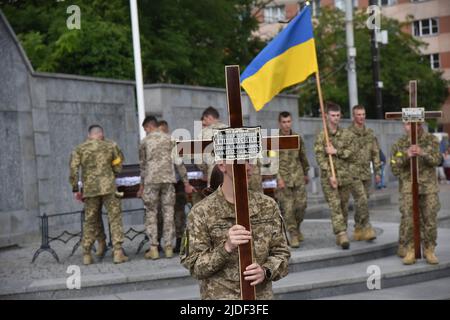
[239, 170]
[414, 163]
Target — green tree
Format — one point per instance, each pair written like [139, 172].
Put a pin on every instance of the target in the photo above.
[401, 61]
[182, 41]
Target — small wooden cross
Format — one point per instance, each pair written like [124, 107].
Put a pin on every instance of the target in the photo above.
[239, 172]
[414, 115]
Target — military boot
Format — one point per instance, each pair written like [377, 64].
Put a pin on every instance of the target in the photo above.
[430, 256]
[369, 234]
[358, 234]
[152, 253]
[119, 256]
[295, 242]
[410, 257]
[87, 258]
[168, 251]
[401, 251]
[342, 240]
[101, 248]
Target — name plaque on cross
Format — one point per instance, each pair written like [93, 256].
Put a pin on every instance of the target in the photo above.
[413, 114]
[237, 144]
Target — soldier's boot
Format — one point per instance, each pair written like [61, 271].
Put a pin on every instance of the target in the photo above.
[300, 236]
[430, 256]
[177, 246]
[87, 258]
[168, 251]
[152, 253]
[410, 257]
[369, 234]
[101, 248]
[295, 242]
[401, 251]
[358, 234]
[342, 240]
[119, 256]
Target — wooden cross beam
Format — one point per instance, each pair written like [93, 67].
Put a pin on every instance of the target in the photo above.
[414, 163]
[239, 172]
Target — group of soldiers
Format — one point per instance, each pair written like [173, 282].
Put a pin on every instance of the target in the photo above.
[354, 154]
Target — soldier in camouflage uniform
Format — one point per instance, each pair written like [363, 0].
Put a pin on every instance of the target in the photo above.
[156, 156]
[336, 191]
[211, 239]
[210, 121]
[292, 178]
[99, 161]
[180, 200]
[99, 227]
[428, 158]
[368, 151]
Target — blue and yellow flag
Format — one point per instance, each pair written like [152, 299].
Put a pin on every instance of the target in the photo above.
[288, 59]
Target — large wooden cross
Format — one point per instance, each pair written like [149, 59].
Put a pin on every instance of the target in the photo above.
[414, 115]
[239, 170]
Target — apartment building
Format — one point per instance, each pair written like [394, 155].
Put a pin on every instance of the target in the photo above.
[431, 23]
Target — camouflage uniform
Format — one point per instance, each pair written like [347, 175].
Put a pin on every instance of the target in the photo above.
[208, 159]
[99, 161]
[180, 203]
[293, 167]
[156, 156]
[428, 188]
[99, 226]
[338, 198]
[255, 180]
[367, 152]
[205, 256]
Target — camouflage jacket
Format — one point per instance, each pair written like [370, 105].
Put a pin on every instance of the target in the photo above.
[208, 159]
[99, 162]
[204, 253]
[400, 164]
[293, 165]
[368, 151]
[157, 156]
[343, 142]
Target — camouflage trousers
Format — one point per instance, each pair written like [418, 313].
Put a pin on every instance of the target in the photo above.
[359, 190]
[292, 202]
[156, 194]
[179, 217]
[92, 217]
[429, 207]
[337, 200]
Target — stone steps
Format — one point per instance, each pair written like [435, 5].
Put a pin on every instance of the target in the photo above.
[173, 275]
[419, 281]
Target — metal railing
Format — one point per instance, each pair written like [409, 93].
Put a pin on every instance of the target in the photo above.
[66, 236]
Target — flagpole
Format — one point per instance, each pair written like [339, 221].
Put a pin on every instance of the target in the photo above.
[324, 122]
[138, 66]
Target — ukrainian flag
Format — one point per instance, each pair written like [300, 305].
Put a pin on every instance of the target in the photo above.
[288, 59]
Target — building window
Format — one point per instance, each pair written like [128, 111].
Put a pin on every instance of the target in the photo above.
[274, 14]
[315, 8]
[340, 4]
[426, 27]
[434, 61]
[388, 2]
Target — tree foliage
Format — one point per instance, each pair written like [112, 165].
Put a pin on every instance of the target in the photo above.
[182, 41]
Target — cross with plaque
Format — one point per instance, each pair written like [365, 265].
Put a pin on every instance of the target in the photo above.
[238, 144]
[414, 115]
